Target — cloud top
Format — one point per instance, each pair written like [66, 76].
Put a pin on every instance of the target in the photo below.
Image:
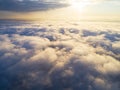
[59, 57]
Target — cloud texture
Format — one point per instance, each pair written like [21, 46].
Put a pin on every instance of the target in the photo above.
[41, 5]
[63, 56]
[30, 5]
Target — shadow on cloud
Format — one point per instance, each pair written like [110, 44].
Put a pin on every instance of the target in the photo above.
[45, 58]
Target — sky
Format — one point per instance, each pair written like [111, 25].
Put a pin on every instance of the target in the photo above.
[59, 52]
[60, 9]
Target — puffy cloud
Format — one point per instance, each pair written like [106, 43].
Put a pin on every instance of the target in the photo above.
[68, 57]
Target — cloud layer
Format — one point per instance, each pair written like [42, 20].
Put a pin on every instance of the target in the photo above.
[41, 5]
[63, 56]
[30, 5]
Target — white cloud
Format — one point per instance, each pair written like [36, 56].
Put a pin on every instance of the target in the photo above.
[67, 57]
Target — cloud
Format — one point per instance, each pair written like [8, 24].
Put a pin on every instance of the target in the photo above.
[48, 57]
[40, 5]
[30, 5]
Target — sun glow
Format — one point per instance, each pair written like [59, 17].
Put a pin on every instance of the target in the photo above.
[79, 5]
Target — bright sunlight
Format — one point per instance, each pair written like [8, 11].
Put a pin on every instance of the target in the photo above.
[79, 5]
